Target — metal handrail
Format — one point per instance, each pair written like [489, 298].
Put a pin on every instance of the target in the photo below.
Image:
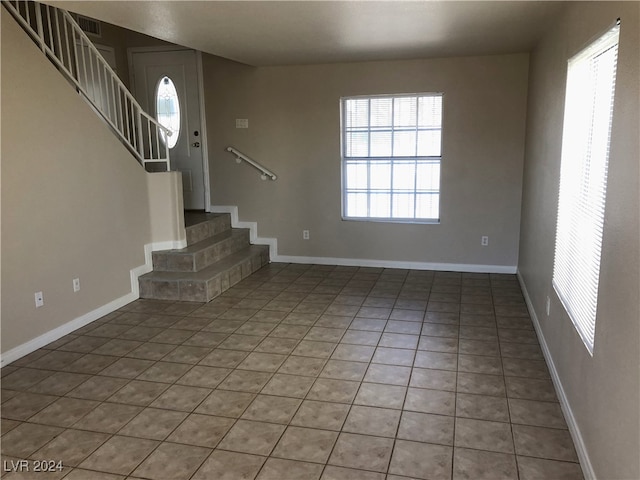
[241, 156]
[62, 40]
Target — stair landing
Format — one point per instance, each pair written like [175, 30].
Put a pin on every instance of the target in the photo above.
[216, 258]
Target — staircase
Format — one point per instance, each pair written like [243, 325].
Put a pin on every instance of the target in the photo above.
[216, 258]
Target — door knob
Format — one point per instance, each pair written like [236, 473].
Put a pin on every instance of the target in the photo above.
[196, 144]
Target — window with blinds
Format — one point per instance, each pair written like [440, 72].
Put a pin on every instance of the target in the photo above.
[391, 153]
[591, 77]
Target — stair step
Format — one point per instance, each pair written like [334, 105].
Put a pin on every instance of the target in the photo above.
[208, 283]
[200, 255]
[205, 225]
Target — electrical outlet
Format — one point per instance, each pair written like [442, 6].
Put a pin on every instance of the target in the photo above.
[305, 234]
[39, 299]
[484, 241]
[242, 123]
[548, 306]
[76, 284]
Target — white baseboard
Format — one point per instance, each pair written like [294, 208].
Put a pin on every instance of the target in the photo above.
[79, 322]
[352, 262]
[364, 262]
[574, 429]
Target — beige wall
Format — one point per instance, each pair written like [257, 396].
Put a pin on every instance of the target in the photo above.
[294, 129]
[74, 201]
[603, 390]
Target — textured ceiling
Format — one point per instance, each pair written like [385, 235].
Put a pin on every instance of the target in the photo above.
[298, 32]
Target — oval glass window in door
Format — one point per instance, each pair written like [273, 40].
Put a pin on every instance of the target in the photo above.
[168, 109]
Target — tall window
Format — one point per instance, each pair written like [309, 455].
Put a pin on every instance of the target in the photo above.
[588, 111]
[168, 110]
[391, 152]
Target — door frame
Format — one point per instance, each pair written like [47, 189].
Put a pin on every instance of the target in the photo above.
[203, 116]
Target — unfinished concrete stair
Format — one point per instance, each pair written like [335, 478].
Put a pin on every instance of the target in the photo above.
[216, 257]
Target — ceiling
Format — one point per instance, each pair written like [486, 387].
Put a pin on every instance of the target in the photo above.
[305, 32]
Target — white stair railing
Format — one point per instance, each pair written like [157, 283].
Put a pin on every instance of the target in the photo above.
[62, 40]
[265, 172]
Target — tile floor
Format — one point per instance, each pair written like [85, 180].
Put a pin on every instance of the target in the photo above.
[298, 372]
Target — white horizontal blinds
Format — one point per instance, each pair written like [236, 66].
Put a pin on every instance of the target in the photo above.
[583, 181]
[391, 156]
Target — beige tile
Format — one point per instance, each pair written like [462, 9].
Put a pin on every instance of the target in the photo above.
[515, 367]
[305, 444]
[480, 465]
[388, 374]
[151, 351]
[172, 461]
[98, 388]
[107, 418]
[531, 389]
[521, 350]
[59, 383]
[119, 455]
[201, 376]
[394, 356]
[481, 384]
[252, 437]
[138, 392]
[369, 324]
[362, 452]
[433, 379]
[436, 360]
[278, 469]
[378, 395]
[25, 405]
[381, 422]
[201, 430]
[438, 344]
[361, 337]
[262, 362]
[224, 358]
[288, 385]
[482, 407]
[425, 427]
[549, 443]
[72, 446]
[353, 353]
[314, 414]
[245, 381]
[24, 378]
[479, 347]
[26, 438]
[64, 412]
[183, 398]
[153, 424]
[421, 460]
[223, 465]
[479, 364]
[306, 366]
[80, 474]
[343, 370]
[91, 363]
[283, 346]
[7, 425]
[541, 414]
[187, 354]
[308, 348]
[398, 340]
[241, 342]
[430, 401]
[483, 435]
[256, 328]
[267, 408]
[225, 403]
[341, 473]
[330, 390]
[540, 469]
[164, 372]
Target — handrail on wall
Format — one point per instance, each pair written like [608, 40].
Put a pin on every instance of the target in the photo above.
[62, 41]
[241, 156]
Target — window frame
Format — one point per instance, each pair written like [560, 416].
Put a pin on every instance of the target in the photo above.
[579, 235]
[344, 161]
